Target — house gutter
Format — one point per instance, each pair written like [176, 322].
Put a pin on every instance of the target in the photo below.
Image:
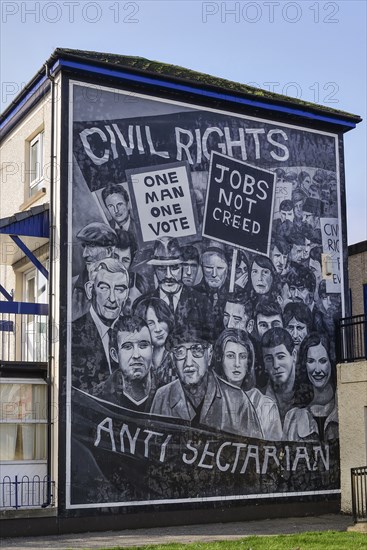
[50, 359]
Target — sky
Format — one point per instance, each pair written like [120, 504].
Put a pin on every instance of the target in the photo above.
[312, 50]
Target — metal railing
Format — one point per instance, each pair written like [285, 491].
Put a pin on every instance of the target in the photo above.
[23, 337]
[352, 338]
[359, 493]
[26, 493]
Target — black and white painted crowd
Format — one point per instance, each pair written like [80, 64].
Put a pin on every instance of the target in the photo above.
[179, 329]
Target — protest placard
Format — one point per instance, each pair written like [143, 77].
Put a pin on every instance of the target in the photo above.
[161, 198]
[331, 248]
[239, 204]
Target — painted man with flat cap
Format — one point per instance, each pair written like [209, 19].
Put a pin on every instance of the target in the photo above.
[98, 241]
[199, 395]
[186, 304]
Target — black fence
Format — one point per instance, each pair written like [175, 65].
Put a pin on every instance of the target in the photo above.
[26, 493]
[352, 338]
[359, 493]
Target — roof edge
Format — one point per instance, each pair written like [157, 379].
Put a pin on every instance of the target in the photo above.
[357, 248]
[260, 94]
[262, 97]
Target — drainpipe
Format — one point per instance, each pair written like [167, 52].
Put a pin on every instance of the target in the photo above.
[50, 290]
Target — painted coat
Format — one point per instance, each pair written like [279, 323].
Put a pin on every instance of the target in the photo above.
[300, 425]
[225, 407]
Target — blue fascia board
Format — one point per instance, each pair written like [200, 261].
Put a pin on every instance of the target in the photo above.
[19, 106]
[37, 85]
[37, 225]
[120, 74]
[23, 308]
[206, 93]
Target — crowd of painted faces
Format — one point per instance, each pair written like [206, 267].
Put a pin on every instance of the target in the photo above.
[177, 336]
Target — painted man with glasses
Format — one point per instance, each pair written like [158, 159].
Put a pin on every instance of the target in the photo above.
[199, 395]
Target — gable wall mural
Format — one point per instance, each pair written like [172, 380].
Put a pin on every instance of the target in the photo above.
[204, 279]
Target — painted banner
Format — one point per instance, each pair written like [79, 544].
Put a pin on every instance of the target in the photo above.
[134, 456]
[201, 356]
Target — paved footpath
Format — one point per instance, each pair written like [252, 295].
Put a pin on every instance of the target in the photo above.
[182, 534]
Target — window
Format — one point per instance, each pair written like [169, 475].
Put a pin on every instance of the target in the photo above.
[34, 327]
[36, 164]
[23, 420]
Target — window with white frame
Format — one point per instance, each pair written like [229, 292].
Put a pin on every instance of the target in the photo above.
[36, 164]
[23, 420]
[34, 327]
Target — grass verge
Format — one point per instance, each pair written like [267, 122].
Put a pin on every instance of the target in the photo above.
[333, 540]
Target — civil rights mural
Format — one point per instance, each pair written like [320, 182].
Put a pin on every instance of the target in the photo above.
[204, 285]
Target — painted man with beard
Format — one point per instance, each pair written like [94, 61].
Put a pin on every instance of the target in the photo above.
[286, 212]
[186, 304]
[214, 286]
[298, 322]
[107, 291]
[302, 284]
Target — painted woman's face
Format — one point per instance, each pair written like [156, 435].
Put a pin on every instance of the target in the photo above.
[261, 279]
[235, 362]
[318, 366]
[158, 329]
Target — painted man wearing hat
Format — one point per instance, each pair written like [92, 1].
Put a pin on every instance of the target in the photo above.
[186, 304]
[199, 395]
[311, 218]
[298, 198]
[98, 241]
